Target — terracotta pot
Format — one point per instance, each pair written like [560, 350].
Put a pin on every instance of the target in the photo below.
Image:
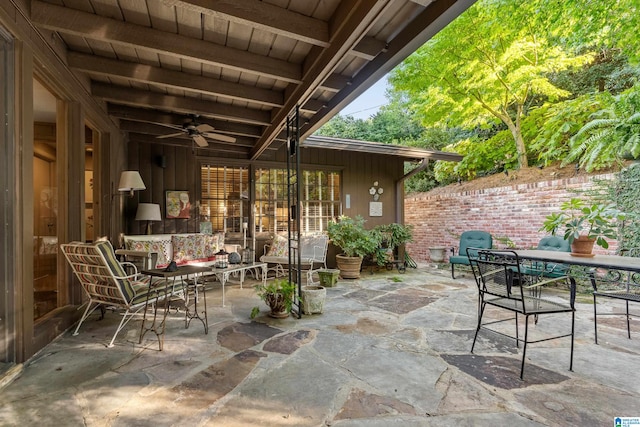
[349, 266]
[582, 247]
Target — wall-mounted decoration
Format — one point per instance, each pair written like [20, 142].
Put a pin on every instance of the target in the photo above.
[376, 191]
[178, 204]
[375, 208]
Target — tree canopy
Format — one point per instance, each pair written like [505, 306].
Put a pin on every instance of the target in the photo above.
[511, 83]
[482, 68]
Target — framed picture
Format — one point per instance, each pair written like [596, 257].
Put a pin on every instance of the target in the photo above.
[178, 204]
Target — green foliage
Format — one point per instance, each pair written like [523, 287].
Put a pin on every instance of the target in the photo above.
[577, 23]
[345, 127]
[393, 124]
[479, 70]
[595, 221]
[278, 294]
[612, 134]
[391, 236]
[552, 125]
[254, 312]
[352, 238]
[626, 193]
[496, 154]
[609, 71]
[505, 242]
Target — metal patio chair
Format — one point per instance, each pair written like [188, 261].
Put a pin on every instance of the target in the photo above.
[617, 286]
[501, 285]
[106, 283]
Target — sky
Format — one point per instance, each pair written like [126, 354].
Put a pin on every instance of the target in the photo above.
[367, 104]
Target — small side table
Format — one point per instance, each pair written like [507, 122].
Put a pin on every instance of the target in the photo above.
[183, 272]
[147, 257]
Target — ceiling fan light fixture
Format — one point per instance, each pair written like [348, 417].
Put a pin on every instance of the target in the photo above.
[198, 132]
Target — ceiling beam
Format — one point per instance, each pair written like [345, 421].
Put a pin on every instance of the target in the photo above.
[261, 15]
[368, 48]
[101, 66]
[350, 21]
[335, 82]
[145, 98]
[89, 25]
[147, 115]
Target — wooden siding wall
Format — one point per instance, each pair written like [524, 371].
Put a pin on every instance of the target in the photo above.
[359, 172]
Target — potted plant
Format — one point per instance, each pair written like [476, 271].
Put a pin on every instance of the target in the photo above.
[355, 241]
[278, 295]
[392, 236]
[584, 224]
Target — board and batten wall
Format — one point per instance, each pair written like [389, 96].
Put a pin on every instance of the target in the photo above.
[359, 171]
[512, 214]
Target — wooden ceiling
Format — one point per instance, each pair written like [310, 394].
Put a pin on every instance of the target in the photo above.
[240, 66]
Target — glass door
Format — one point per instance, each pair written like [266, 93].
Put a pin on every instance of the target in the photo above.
[45, 203]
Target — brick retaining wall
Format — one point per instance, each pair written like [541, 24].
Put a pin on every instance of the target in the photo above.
[515, 212]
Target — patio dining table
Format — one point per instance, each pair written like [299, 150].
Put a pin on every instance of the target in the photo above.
[620, 276]
[608, 262]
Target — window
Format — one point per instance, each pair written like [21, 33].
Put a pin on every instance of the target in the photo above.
[225, 197]
[320, 200]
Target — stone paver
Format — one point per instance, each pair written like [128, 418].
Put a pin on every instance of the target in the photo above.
[389, 350]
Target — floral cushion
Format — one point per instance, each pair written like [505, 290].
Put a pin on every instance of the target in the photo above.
[161, 247]
[279, 247]
[211, 245]
[189, 248]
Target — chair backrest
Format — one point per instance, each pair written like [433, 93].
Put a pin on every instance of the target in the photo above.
[554, 243]
[314, 247]
[496, 274]
[98, 270]
[474, 239]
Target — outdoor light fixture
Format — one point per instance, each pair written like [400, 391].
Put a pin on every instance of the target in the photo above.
[131, 181]
[148, 212]
[222, 259]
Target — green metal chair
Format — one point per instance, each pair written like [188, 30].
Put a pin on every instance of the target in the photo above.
[548, 269]
[475, 239]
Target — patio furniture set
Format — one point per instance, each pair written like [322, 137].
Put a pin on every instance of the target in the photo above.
[511, 280]
[514, 280]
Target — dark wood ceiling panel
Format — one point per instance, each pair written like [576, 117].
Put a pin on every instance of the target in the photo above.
[240, 66]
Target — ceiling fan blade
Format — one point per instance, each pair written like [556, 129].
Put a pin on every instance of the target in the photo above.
[219, 137]
[204, 128]
[167, 125]
[171, 135]
[199, 139]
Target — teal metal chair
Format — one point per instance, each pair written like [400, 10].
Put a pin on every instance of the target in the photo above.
[474, 239]
[548, 269]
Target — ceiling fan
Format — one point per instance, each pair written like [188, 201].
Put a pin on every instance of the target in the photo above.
[198, 132]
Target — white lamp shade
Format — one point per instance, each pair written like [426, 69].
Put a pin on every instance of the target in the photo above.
[148, 212]
[131, 181]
